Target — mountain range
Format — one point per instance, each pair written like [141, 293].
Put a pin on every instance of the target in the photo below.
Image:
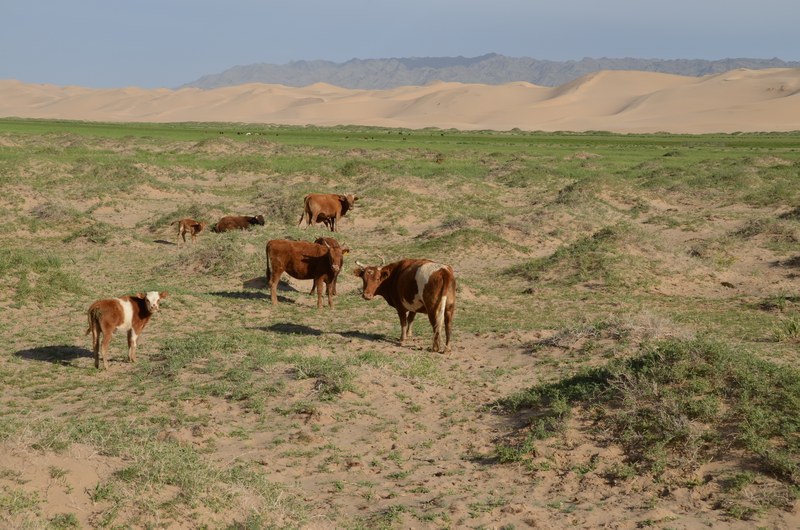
[489, 69]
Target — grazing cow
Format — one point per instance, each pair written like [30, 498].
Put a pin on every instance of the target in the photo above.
[333, 243]
[305, 261]
[414, 286]
[326, 208]
[237, 222]
[127, 313]
[189, 226]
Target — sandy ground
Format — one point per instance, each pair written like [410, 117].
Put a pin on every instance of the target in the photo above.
[618, 101]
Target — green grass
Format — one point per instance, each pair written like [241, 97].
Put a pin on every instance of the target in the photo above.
[575, 254]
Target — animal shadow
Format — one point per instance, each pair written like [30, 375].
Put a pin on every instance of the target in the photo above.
[63, 354]
[240, 295]
[164, 242]
[287, 328]
[373, 337]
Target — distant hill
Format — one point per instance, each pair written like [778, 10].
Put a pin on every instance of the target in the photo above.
[490, 69]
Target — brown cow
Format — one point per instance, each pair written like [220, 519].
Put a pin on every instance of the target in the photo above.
[414, 286]
[333, 243]
[127, 313]
[237, 222]
[326, 208]
[189, 226]
[305, 261]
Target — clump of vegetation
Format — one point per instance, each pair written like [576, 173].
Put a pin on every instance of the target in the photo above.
[333, 376]
[597, 258]
[34, 276]
[97, 232]
[681, 403]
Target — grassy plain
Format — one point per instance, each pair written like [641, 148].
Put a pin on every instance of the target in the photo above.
[626, 334]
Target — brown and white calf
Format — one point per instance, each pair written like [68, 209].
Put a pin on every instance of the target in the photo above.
[189, 226]
[326, 208]
[127, 313]
[237, 222]
[305, 261]
[414, 286]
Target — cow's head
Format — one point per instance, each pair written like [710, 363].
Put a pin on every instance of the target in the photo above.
[151, 299]
[257, 220]
[372, 278]
[336, 253]
[348, 201]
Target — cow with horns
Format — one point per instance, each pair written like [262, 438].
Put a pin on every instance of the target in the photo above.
[414, 286]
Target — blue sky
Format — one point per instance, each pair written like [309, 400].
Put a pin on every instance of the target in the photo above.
[166, 43]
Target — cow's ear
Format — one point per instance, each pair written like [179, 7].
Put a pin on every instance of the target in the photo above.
[385, 274]
[355, 198]
[163, 294]
[358, 271]
[140, 295]
[345, 250]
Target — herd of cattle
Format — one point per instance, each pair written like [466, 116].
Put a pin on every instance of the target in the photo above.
[411, 286]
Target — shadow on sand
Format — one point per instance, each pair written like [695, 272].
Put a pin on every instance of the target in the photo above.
[63, 354]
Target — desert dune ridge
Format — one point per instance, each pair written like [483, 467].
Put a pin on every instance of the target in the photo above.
[617, 101]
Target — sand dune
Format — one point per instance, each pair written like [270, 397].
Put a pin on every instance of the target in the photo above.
[619, 101]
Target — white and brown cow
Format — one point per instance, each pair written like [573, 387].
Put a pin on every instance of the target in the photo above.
[127, 313]
[414, 286]
[326, 208]
[305, 261]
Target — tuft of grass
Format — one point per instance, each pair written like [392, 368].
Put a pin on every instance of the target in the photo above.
[685, 400]
[597, 257]
[333, 376]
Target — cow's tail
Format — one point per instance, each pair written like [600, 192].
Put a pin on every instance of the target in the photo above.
[269, 268]
[439, 327]
[305, 212]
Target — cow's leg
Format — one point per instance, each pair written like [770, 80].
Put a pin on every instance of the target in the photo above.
[107, 334]
[411, 315]
[273, 286]
[448, 324]
[437, 331]
[96, 343]
[318, 283]
[330, 290]
[403, 314]
[131, 346]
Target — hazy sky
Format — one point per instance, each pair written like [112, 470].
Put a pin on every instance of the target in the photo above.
[166, 43]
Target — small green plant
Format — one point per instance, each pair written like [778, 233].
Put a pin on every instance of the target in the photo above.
[788, 330]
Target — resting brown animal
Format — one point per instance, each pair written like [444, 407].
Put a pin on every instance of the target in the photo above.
[305, 261]
[326, 208]
[189, 226]
[414, 286]
[127, 313]
[237, 222]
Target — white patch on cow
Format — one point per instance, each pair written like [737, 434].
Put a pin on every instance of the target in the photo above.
[422, 276]
[127, 315]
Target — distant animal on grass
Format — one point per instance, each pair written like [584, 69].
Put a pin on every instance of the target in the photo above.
[414, 286]
[305, 261]
[333, 243]
[326, 208]
[189, 226]
[127, 313]
[237, 222]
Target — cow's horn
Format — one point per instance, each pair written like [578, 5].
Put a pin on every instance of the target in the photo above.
[383, 261]
[361, 265]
